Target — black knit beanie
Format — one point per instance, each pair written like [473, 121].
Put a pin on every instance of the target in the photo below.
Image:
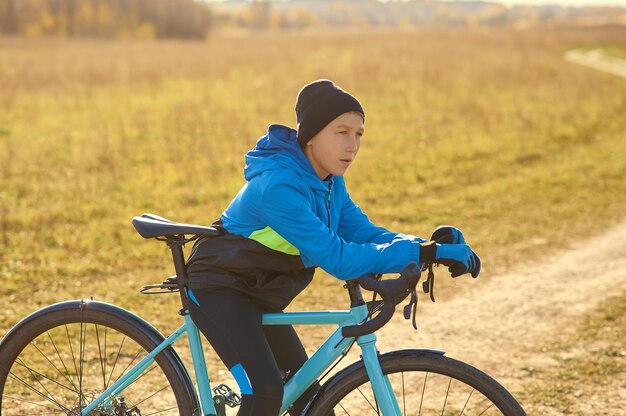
[319, 103]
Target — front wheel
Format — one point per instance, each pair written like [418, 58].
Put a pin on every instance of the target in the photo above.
[424, 383]
[60, 358]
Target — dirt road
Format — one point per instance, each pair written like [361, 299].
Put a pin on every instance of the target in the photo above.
[500, 324]
[596, 59]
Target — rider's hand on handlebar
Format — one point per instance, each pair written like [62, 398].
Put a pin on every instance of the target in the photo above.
[459, 258]
[447, 234]
[476, 270]
[451, 254]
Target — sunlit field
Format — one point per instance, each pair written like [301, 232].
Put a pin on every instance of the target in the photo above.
[492, 131]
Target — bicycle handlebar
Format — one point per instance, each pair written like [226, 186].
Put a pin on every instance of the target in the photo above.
[388, 290]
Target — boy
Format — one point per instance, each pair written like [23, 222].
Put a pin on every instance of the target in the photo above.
[293, 214]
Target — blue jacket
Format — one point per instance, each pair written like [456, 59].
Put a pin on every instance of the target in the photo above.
[316, 217]
[285, 219]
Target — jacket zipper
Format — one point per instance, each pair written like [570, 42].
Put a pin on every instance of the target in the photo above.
[330, 190]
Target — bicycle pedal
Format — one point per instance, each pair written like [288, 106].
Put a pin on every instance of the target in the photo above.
[231, 398]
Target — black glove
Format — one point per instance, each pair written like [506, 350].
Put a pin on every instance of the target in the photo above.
[447, 234]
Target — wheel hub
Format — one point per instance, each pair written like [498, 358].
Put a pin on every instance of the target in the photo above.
[116, 406]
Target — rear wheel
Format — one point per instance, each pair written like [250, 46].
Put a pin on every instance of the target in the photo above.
[424, 383]
[59, 360]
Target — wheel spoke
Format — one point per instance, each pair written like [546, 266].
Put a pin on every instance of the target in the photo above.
[47, 397]
[116, 358]
[102, 365]
[35, 373]
[29, 402]
[61, 359]
[445, 401]
[423, 392]
[488, 407]
[366, 399]
[150, 396]
[144, 373]
[132, 362]
[81, 348]
[161, 411]
[105, 355]
[466, 402]
[69, 343]
[53, 366]
[403, 397]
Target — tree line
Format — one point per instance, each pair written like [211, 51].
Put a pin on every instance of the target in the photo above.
[187, 19]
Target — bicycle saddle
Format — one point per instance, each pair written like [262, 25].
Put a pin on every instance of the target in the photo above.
[150, 226]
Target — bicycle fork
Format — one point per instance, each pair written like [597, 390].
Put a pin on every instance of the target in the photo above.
[383, 391]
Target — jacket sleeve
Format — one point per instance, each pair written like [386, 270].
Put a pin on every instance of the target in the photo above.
[287, 210]
[354, 226]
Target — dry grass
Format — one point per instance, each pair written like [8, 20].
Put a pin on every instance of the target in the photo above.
[594, 355]
[489, 130]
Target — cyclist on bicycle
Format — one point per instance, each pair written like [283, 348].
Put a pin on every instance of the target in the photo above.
[292, 215]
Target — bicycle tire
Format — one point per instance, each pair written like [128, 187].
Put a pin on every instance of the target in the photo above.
[466, 390]
[61, 357]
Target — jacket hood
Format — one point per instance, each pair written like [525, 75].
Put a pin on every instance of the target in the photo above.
[279, 150]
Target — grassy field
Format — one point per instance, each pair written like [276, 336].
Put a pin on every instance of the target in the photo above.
[489, 130]
[585, 365]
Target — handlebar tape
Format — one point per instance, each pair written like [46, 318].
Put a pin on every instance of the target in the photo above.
[388, 290]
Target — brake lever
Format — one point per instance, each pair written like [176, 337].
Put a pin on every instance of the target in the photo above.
[428, 285]
[411, 307]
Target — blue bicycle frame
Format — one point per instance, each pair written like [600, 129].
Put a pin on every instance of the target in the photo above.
[321, 360]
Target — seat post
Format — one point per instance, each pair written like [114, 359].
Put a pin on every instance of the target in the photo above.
[176, 244]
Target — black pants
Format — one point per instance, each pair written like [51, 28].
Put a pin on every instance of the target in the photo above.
[255, 354]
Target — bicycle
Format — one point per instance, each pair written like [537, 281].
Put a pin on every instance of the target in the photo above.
[84, 357]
